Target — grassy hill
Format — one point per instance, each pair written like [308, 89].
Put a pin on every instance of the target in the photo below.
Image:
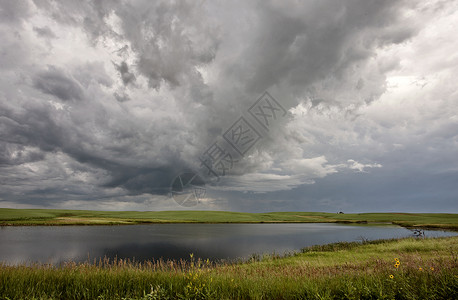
[87, 217]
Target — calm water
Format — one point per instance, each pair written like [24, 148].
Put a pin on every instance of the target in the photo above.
[174, 241]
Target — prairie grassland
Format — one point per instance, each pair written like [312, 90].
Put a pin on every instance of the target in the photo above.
[86, 217]
[410, 268]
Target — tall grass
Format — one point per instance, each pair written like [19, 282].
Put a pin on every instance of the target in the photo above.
[424, 269]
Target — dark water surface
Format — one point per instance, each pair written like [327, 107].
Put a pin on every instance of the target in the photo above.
[48, 244]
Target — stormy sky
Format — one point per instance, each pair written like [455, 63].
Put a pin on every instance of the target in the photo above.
[104, 103]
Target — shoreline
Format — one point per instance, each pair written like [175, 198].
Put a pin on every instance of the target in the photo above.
[361, 223]
[52, 217]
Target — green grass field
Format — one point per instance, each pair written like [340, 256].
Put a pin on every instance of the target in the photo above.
[386, 269]
[85, 217]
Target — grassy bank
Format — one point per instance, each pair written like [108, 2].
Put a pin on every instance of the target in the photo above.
[85, 217]
[390, 269]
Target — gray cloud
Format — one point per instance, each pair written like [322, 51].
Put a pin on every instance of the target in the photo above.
[106, 102]
[126, 76]
[14, 11]
[44, 32]
[54, 82]
[121, 97]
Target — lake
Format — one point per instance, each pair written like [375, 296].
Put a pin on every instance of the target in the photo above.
[48, 244]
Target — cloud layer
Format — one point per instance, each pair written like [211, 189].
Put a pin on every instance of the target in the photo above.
[103, 103]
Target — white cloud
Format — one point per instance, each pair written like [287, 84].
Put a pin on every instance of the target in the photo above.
[261, 182]
[354, 165]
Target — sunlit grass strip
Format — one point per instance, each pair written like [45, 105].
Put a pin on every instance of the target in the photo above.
[427, 269]
[54, 217]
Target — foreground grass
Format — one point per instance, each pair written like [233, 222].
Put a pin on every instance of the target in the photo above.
[86, 217]
[426, 269]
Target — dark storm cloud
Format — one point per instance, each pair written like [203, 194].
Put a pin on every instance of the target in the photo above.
[169, 38]
[121, 97]
[13, 154]
[41, 129]
[144, 180]
[300, 43]
[175, 38]
[110, 100]
[54, 82]
[44, 32]
[126, 76]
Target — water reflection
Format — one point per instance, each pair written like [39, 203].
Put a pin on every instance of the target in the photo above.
[175, 241]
